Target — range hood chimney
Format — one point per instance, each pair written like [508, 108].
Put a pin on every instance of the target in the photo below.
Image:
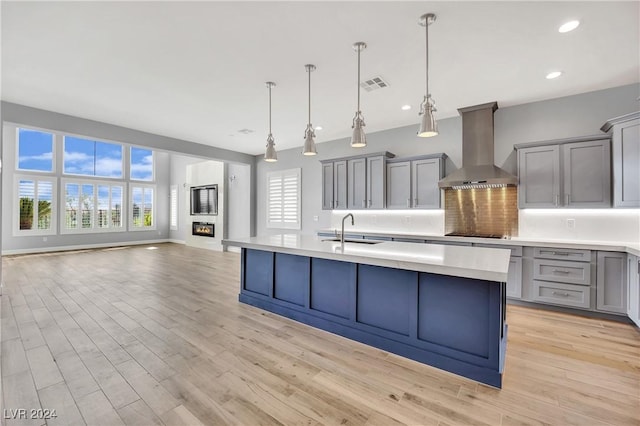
[478, 169]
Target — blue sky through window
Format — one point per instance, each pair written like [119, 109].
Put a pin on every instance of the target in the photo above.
[35, 150]
[92, 158]
[141, 164]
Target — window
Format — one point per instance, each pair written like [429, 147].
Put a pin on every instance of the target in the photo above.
[36, 208]
[142, 212]
[92, 158]
[141, 164]
[283, 199]
[35, 150]
[92, 207]
[173, 206]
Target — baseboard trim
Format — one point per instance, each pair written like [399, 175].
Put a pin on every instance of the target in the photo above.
[82, 247]
[173, 240]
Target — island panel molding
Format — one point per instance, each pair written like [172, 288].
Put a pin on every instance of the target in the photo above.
[454, 323]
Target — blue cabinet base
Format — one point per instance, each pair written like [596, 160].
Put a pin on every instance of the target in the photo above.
[454, 324]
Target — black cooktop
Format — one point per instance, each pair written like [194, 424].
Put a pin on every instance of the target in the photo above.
[459, 234]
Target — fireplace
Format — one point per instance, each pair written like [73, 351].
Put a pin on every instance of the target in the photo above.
[203, 229]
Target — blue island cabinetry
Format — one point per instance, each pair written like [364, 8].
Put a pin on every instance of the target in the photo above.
[453, 323]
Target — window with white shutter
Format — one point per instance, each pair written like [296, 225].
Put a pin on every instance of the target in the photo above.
[173, 213]
[283, 199]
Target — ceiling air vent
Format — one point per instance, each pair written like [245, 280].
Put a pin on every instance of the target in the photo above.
[245, 131]
[374, 83]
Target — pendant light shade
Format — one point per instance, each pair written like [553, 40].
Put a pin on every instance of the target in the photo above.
[309, 144]
[270, 154]
[358, 138]
[428, 125]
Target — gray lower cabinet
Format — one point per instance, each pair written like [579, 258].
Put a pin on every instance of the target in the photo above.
[611, 282]
[569, 173]
[626, 159]
[633, 288]
[514, 279]
[561, 277]
[357, 183]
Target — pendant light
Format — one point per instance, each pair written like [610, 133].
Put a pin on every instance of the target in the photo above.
[309, 134]
[428, 125]
[270, 155]
[358, 139]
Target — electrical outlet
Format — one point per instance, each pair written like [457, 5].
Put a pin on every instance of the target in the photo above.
[374, 219]
[315, 218]
[571, 223]
[44, 238]
[407, 220]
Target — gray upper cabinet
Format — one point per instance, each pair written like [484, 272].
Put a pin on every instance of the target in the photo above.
[327, 186]
[539, 172]
[425, 175]
[626, 159]
[376, 182]
[587, 174]
[340, 184]
[357, 183]
[413, 182]
[611, 283]
[569, 173]
[399, 185]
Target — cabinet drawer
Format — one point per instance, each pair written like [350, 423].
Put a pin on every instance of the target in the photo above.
[562, 294]
[562, 254]
[561, 271]
[515, 250]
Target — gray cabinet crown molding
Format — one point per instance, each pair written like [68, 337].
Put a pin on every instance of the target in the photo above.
[355, 157]
[418, 157]
[562, 141]
[606, 127]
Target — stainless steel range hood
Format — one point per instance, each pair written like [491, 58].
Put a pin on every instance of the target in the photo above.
[478, 169]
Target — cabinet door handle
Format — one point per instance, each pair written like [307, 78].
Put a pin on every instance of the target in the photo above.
[408, 202]
[369, 203]
[557, 199]
[415, 201]
[364, 203]
[568, 199]
[560, 293]
[559, 271]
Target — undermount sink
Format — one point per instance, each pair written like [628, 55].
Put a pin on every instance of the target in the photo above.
[353, 241]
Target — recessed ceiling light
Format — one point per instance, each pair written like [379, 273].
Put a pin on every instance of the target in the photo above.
[568, 26]
[406, 107]
[554, 74]
[318, 127]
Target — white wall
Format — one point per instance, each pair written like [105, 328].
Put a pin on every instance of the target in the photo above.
[178, 177]
[238, 201]
[205, 173]
[578, 115]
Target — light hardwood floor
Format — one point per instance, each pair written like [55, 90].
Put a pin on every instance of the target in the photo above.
[140, 336]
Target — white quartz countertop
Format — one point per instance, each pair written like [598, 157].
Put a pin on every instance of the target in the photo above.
[490, 264]
[620, 246]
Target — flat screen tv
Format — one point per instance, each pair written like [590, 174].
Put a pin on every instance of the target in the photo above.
[204, 200]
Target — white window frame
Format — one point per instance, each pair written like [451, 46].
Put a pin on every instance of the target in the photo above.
[17, 232]
[123, 146]
[278, 221]
[16, 144]
[94, 226]
[154, 208]
[174, 207]
[153, 165]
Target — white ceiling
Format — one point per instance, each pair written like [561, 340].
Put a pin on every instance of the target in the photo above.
[196, 71]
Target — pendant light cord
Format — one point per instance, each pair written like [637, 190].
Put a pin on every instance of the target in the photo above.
[426, 31]
[309, 72]
[269, 109]
[359, 50]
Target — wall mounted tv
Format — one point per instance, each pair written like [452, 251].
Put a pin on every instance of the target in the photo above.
[204, 200]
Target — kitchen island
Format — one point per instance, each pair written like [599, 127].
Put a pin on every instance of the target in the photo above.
[440, 305]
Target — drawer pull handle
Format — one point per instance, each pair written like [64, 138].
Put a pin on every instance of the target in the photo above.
[559, 271]
[560, 293]
[561, 253]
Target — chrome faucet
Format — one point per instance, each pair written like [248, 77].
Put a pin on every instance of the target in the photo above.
[342, 234]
